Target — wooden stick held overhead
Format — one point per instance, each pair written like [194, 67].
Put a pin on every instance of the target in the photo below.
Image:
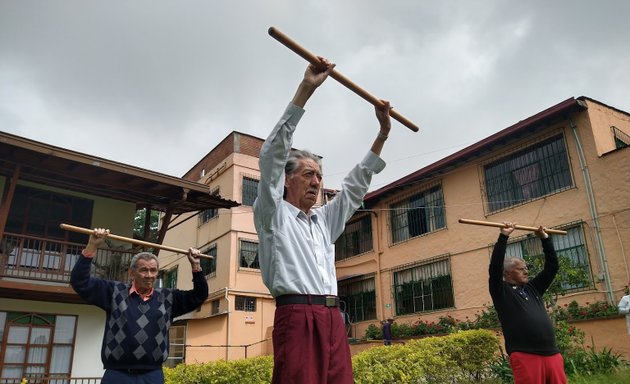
[501, 225]
[311, 58]
[87, 231]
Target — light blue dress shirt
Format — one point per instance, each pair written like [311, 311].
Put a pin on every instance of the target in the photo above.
[296, 250]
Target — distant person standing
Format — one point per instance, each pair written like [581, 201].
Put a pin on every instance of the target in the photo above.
[624, 307]
[387, 331]
[528, 331]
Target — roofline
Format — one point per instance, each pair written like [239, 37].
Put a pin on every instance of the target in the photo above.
[565, 107]
[95, 161]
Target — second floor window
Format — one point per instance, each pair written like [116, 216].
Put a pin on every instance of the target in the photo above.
[419, 214]
[249, 255]
[533, 172]
[425, 287]
[355, 239]
[169, 278]
[209, 266]
[250, 190]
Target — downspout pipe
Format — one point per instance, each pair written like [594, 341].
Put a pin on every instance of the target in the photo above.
[590, 197]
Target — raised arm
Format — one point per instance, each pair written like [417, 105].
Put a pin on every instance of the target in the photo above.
[385, 124]
[313, 78]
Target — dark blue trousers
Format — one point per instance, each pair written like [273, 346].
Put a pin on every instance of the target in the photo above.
[112, 376]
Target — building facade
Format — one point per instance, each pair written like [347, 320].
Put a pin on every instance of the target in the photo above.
[405, 255]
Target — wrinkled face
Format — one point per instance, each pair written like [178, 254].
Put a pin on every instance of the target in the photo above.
[303, 184]
[144, 274]
[518, 274]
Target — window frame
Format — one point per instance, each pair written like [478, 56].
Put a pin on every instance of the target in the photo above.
[357, 233]
[245, 303]
[411, 216]
[527, 173]
[438, 275]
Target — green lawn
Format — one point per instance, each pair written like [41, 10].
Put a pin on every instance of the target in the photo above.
[620, 377]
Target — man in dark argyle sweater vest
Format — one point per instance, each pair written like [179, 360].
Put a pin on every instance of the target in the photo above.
[135, 340]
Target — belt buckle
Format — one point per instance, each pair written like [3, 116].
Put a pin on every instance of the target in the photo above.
[331, 301]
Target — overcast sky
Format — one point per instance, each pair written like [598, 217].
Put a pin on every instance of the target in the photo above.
[158, 84]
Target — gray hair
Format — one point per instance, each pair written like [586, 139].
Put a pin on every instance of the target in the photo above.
[294, 160]
[510, 263]
[143, 256]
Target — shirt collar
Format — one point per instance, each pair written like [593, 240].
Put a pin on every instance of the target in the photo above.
[134, 290]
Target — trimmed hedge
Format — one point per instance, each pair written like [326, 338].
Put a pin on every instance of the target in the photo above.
[460, 357]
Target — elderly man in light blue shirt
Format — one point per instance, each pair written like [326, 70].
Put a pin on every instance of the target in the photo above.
[296, 244]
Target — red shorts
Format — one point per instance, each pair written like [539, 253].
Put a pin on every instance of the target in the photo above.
[528, 368]
[310, 346]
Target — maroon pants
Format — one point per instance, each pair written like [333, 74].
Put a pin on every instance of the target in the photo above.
[310, 346]
[528, 368]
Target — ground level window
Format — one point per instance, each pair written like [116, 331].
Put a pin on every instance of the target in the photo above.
[425, 287]
[36, 345]
[245, 303]
[177, 345]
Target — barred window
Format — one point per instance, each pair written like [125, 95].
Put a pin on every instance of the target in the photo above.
[208, 214]
[177, 345]
[421, 213]
[209, 266]
[249, 255]
[424, 287]
[355, 239]
[531, 173]
[245, 303]
[575, 269]
[169, 278]
[250, 190]
[216, 305]
[359, 296]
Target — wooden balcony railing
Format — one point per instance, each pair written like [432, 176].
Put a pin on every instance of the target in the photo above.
[53, 380]
[39, 259]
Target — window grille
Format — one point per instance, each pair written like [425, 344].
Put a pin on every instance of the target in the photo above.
[208, 214]
[250, 190]
[249, 255]
[622, 139]
[536, 171]
[209, 266]
[421, 213]
[359, 297]
[424, 288]
[355, 239]
[245, 303]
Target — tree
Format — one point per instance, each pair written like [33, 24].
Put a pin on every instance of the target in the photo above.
[138, 225]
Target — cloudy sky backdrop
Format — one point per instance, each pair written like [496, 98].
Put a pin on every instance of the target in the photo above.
[158, 84]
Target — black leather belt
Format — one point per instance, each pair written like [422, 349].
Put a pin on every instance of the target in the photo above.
[135, 372]
[328, 301]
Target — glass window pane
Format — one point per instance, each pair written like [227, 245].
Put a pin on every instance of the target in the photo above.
[40, 336]
[64, 329]
[12, 372]
[15, 354]
[37, 355]
[60, 359]
[17, 335]
[3, 320]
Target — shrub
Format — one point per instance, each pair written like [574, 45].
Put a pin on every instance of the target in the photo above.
[459, 357]
[256, 370]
